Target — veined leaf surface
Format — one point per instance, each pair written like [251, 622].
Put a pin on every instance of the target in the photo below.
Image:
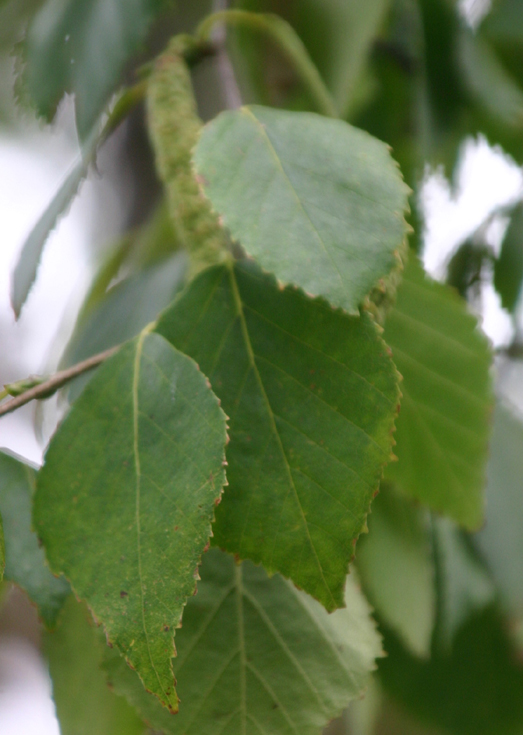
[125, 500]
[255, 655]
[443, 426]
[312, 394]
[84, 703]
[315, 201]
[25, 560]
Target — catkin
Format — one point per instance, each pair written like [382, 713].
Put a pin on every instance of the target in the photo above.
[174, 127]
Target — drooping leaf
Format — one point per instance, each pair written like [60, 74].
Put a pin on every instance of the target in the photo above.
[126, 497]
[311, 417]
[474, 690]
[464, 587]
[84, 703]
[508, 268]
[501, 540]
[317, 202]
[25, 560]
[256, 655]
[443, 427]
[27, 265]
[397, 571]
[81, 47]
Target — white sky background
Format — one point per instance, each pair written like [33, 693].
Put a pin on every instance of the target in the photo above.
[31, 169]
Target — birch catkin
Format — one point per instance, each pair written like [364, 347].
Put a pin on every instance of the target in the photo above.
[174, 127]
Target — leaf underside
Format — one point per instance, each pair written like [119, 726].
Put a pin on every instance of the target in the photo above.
[25, 560]
[311, 394]
[125, 500]
[255, 655]
[315, 201]
[443, 427]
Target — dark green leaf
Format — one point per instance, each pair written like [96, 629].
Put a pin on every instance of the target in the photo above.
[25, 560]
[81, 47]
[508, 268]
[317, 202]
[311, 419]
[476, 690]
[501, 540]
[397, 570]
[443, 427]
[126, 497]
[84, 703]
[255, 655]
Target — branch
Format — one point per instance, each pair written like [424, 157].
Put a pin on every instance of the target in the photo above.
[47, 387]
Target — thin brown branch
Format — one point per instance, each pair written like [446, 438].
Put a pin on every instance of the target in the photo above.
[55, 382]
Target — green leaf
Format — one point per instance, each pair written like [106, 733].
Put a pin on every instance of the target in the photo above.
[489, 81]
[126, 497]
[27, 265]
[317, 202]
[256, 655]
[501, 540]
[474, 690]
[464, 586]
[397, 570]
[348, 30]
[508, 268]
[126, 309]
[81, 47]
[24, 559]
[311, 417]
[443, 427]
[84, 703]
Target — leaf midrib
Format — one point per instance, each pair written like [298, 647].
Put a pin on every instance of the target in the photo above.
[137, 467]
[252, 359]
[279, 164]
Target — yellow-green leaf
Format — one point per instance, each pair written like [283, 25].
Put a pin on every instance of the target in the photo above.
[443, 426]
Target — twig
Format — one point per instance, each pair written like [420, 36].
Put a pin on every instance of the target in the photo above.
[56, 381]
[287, 39]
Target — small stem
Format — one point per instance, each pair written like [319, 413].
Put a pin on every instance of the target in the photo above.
[56, 381]
[288, 40]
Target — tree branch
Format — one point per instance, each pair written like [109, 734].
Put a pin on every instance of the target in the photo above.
[47, 387]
